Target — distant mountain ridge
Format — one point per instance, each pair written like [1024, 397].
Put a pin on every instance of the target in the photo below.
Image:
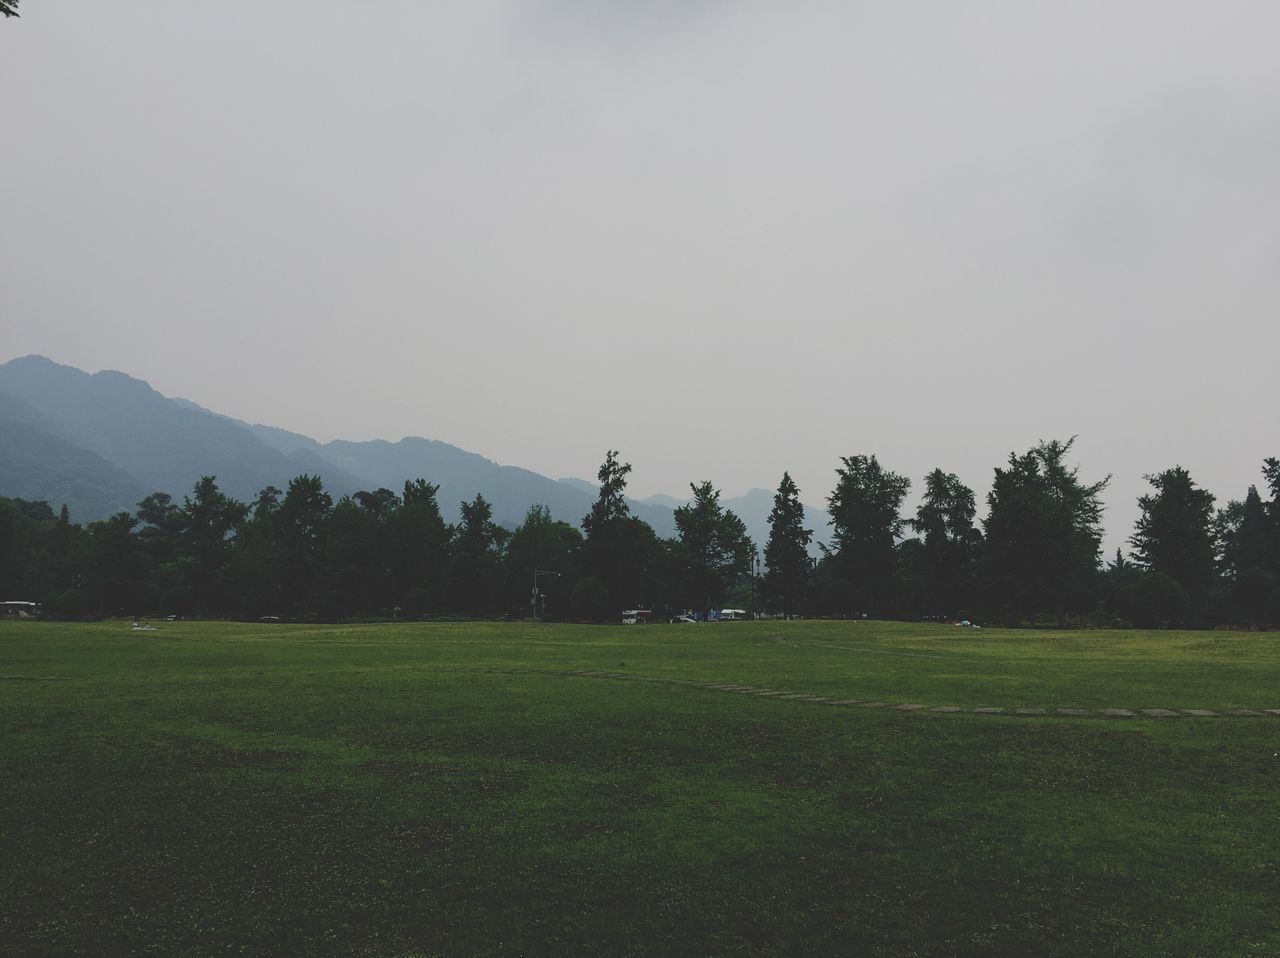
[100, 442]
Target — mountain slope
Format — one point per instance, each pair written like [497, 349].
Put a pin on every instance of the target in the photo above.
[37, 464]
[165, 444]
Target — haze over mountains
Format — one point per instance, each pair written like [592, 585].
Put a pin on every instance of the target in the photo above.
[101, 442]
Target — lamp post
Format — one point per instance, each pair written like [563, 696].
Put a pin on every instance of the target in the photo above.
[537, 573]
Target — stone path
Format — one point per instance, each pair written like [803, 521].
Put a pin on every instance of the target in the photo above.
[805, 697]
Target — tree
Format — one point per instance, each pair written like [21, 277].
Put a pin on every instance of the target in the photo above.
[418, 547]
[610, 506]
[541, 543]
[866, 524]
[9, 7]
[951, 542]
[789, 569]
[476, 575]
[620, 549]
[714, 547]
[1174, 533]
[1044, 532]
[208, 520]
[301, 525]
[116, 566]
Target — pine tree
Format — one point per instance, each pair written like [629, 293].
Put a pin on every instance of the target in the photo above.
[1174, 533]
[866, 524]
[789, 569]
[1044, 532]
[714, 547]
[951, 543]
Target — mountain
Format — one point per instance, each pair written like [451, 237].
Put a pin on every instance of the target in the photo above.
[37, 464]
[101, 442]
[165, 445]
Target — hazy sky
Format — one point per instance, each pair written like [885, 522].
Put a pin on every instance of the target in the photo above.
[726, 238]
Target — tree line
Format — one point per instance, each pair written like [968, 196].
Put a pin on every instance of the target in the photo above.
[1036, 557]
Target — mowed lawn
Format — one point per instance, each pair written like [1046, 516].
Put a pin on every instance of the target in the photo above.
[445, 789]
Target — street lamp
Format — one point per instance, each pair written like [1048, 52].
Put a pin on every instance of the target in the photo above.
[537, 573]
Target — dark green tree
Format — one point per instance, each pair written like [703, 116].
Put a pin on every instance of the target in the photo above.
[418, 553]
[619, 549]
[476, 574]
[713, 547]
[301, 524]
[788, 566]
[951, 543]
[1174, 532]
[866, 523]
[1044, 532]
[9, 7]
[543, 544]
[206, 523]
[115, 569]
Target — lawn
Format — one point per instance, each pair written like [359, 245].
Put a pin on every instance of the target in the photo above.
[459, 789]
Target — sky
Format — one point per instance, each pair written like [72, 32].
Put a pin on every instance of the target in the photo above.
[724, 238]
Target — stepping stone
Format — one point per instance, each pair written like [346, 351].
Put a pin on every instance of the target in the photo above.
[876, 705]
[1073, 711]
[1202, 713]
[945, 708]
[1272, 711]
[910, 708]
[1117, 713]
[1243, 712]
[1159, 713]
[1031, 711]
[986, 710]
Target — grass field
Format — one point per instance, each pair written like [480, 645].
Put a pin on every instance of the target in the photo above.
[435, 789]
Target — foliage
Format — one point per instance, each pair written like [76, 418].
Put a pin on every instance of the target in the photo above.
[1043, 533]
[866, 524]
[713, 548]
[951, 544]
[1174, 533]
[788, 567]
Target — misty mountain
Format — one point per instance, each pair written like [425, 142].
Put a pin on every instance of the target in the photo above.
[37, 464]
[100, 442]
[165, 445]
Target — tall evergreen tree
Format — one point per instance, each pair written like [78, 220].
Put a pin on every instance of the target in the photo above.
[866, 523]
[621, 550]
[789, 569]
[302, 524]
[208, 521]
[476, 574]
[714, 547]
[1044, 532]
[951, 542]
[1174, 533]
[418, 550]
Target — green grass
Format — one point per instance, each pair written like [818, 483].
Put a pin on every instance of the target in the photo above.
[453, 789]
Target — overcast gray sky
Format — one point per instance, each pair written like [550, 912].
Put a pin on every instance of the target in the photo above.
[726, 238]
